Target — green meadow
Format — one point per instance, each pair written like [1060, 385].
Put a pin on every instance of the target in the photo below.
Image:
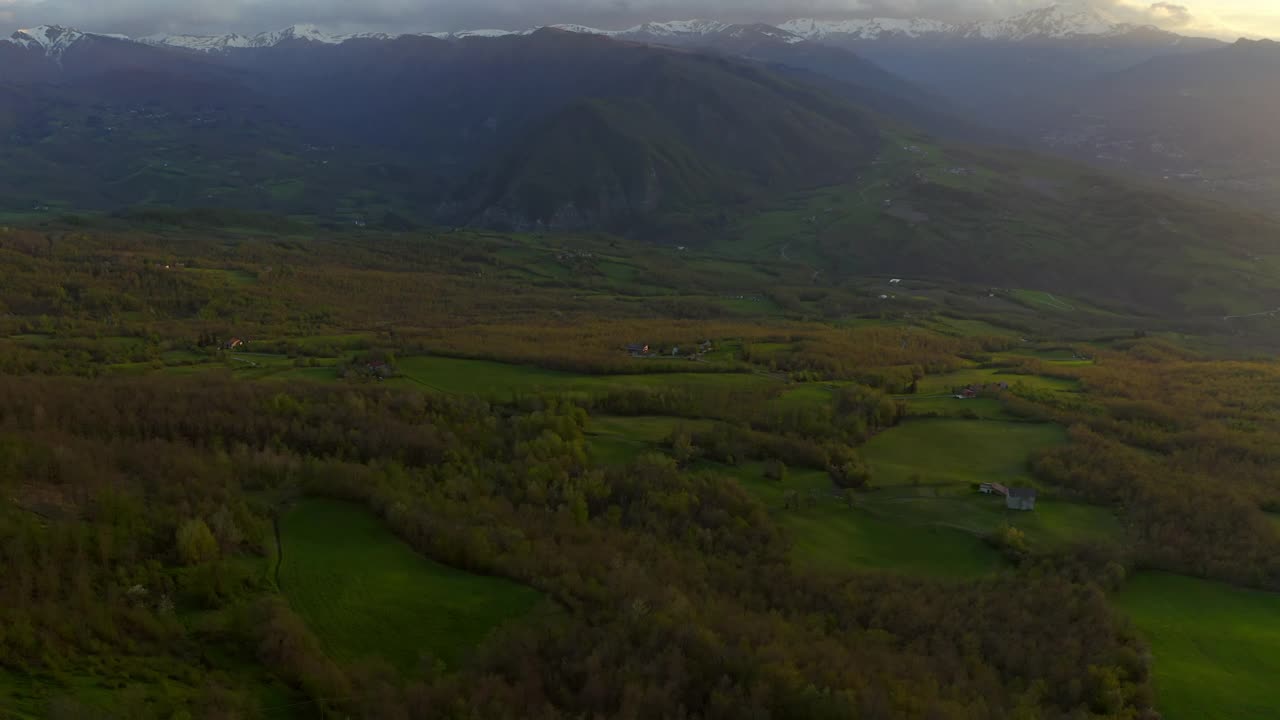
[1216, 648]
[923, 472]
[366, 593]
[946, 451]
[494, 379]
[616, 440]
[948, 382]
[1055, 521]
[982, 408]
[832, 536]
[828, 534]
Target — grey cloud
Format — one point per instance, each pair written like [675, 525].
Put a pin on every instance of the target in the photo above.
[142, 17]
[1175, 15]
[1162, 13]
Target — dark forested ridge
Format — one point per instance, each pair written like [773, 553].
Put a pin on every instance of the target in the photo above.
[551, 129]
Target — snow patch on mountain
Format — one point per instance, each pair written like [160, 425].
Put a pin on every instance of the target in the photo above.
[1061, 21]
[202, 43]
[52, 39]
[295, 33]
[485, 33]
[1055, 21]
[741, 31]
[677, 28]
[585, 30]
[682, 30]
[870, 29]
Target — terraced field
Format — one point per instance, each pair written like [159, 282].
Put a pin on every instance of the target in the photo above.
[366, 593]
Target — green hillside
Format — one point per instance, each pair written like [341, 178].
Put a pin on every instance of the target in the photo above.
[1215, 647]
[1003, 221]
[680, 131]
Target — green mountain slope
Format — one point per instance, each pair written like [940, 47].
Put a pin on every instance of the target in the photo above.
[1003, 221]
[682, 130]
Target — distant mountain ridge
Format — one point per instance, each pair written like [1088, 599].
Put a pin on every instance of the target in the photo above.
[1020, 80]
[1054, 22]
[39, 53]
[53, 40]
[550, 129]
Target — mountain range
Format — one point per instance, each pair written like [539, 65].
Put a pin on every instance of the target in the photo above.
[546, 129]
[433, 117]
[746, 137]
[1054, 22]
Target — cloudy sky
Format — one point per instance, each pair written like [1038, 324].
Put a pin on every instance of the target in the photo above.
[1223, 18]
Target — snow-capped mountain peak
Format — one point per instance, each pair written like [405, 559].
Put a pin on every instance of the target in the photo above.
[53, 39]
[309, 33]
[868, 29]
[584, 29]
[1060, 21]
[302, 33]
[1055, 21]
[679, 31]
[202, 43]
[482, 33]
[777, 33]
[219, 43]
[678, 28]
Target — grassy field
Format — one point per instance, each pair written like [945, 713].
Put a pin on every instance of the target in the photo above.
[1216, 647]
[480, 377]
[944, 451]
[944, 384]
[1054, 523]
[621, 439]
[490, 379]
[1055, 356]
[366, 593]
[923, 517]
[231, 278]
[983, 408]
[1043, 300]
[811, 394]
[829, 535]
[923, 472]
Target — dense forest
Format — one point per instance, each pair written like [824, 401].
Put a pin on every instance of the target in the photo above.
[146, 498]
